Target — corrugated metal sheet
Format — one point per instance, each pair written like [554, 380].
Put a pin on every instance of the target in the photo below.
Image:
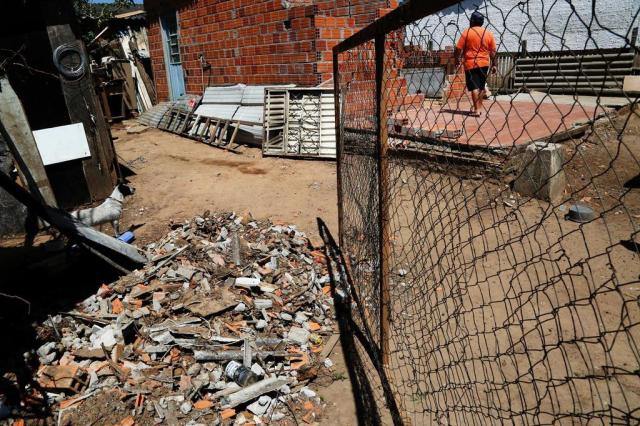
[187, 102]
[223, 94]
[249, 113]
[251, 135]
[254, 95]
[222, 111]
[152, 116]
[231, 112]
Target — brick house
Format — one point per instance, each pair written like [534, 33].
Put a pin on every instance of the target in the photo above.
[198, 43]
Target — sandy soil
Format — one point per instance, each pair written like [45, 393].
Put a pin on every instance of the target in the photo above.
[176, 178]
[500, 308]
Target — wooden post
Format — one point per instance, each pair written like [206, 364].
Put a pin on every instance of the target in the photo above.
[82, 102]
[382, 99]
[19, 138]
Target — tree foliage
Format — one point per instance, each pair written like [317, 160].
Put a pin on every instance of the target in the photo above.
[93, 16]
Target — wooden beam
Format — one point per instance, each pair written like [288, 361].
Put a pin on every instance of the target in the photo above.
[235, 133]
[146, 82]
[100, 169]
[17, 133]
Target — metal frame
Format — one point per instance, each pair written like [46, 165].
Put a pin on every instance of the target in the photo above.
[279, 147]
[399, 17]
[377, 31]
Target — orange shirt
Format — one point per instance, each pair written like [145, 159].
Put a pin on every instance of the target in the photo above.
[477, 44]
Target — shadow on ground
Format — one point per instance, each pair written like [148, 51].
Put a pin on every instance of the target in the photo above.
[371, 388]
[36, 283]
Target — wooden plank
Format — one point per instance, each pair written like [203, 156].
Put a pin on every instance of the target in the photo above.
[176, 120]
[213, 137]
[235, 133]
[82, 102]
[223, 133]
[122, 71]
[105, 103]
[17, 133]
[169, 123]
[187, 120]
[205, 129]
[147, 82]
[328, 347]
[383, 175]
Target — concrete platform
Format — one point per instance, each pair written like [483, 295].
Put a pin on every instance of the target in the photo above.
[507, 121]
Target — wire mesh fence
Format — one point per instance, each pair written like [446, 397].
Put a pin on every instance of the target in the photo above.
[489, 243]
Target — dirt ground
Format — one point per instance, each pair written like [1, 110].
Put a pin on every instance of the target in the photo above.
[491, 291]
[176, 178]
[501, 308]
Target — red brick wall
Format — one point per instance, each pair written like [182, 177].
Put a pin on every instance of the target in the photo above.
[363, 12]
[246, 41]
[157, 60]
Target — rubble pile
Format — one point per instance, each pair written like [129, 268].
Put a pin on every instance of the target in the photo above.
[228, 323]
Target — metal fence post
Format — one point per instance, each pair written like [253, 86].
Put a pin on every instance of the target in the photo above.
[382, 98]
[338, 112]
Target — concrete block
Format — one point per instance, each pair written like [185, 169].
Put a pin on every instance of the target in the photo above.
[541, 175]
[631, 83]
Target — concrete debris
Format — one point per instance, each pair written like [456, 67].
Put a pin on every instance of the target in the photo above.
[258, 370]
[254, 391]
[219, 327]
[308, 393]
[260, 406]
[46, 349]
[298, 335]
[186, 407]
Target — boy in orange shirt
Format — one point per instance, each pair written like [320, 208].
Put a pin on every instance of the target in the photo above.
[477, 47]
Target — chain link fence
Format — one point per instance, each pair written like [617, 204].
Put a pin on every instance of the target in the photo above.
[488, 260]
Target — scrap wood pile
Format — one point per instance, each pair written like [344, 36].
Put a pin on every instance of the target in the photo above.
[229, 322]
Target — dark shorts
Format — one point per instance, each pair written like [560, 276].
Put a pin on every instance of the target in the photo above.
[476, 78]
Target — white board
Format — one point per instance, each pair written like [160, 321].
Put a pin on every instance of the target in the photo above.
[63, 143]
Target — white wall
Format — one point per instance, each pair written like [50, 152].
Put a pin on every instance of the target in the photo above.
[544, 24]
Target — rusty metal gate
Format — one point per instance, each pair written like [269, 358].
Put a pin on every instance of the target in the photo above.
[488, 257]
